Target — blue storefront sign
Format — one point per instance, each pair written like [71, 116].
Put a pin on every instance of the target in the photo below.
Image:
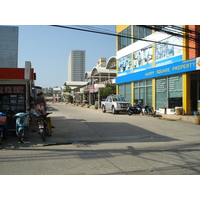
[174, 68]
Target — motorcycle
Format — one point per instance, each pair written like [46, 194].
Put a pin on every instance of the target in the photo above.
[136, 109]
[43, 127]
[3, 126]
[149, 111]
[21, 125]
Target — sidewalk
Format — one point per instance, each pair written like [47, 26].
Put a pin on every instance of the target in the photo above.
[188, 118]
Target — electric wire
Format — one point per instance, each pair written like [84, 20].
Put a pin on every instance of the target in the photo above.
[189, 34]
[124, 36]
[95, 28]
[192, 36]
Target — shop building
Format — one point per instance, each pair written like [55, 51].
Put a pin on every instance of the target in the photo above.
[159, 65]
[104, 72]
[16, 86]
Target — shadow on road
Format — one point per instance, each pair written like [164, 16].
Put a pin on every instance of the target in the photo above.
[168, 162]
[69, 130]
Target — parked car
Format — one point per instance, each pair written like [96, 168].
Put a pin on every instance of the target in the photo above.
[114, 104]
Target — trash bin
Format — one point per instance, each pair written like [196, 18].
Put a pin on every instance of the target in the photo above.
[196, 118]
[178, 110]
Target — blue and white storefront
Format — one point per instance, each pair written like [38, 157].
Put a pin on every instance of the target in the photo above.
[163, 86]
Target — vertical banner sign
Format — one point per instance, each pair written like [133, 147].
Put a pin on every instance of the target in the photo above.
[27, 71]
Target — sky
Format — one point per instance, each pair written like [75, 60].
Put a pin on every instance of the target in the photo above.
[48, 49]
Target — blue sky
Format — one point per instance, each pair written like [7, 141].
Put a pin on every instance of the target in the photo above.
[48, 48]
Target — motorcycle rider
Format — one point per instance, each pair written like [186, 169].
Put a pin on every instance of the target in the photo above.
[39, 109]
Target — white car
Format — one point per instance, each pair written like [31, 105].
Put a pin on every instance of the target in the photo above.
[115, 104]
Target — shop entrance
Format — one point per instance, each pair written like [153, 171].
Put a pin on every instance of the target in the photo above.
[194, 90]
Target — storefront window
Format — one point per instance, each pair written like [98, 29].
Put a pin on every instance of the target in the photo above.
[128, 92]
[175, 86]
[175, 91]
[169, 91]
[142, 95]
[149, 95]
[136, 84]
[161, 92]
[148, 82]
[125, 91]
[136, 94]
[142, 83]
[121, 89]
[143, 92]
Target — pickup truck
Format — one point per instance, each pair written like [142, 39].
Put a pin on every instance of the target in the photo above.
[115, 104]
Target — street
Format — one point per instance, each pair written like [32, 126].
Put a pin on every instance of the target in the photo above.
[86, 141]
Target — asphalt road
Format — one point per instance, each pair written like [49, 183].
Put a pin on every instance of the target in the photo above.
[86, 141]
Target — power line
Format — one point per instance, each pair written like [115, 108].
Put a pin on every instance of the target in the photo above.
[175, 31]
[95, 28]
[116, 35]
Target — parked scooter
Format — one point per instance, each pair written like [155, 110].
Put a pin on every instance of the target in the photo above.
[136, 109]
[3, 126]
[21, 125]
[43, 126]
[149, 111]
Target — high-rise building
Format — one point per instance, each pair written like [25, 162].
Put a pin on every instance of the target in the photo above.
[76, 65]
[8, 46]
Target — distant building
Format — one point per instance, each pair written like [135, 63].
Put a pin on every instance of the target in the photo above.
[8, 46]
[75, 84]
[76, 65]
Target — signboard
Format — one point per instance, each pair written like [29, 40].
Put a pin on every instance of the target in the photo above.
[166, 53]
[124, 65]
[3, 119]
[143, 59]
[174, 68]
[12, 97]
[27, 71]
[12, 89]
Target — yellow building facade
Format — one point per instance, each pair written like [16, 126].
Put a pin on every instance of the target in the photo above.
[159, 66]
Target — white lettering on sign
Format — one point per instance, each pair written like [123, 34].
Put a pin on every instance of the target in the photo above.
[2, 118]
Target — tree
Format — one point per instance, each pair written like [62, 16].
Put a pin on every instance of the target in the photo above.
[69, 99]
[67, 88]
[110, 88]
[48, 91]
